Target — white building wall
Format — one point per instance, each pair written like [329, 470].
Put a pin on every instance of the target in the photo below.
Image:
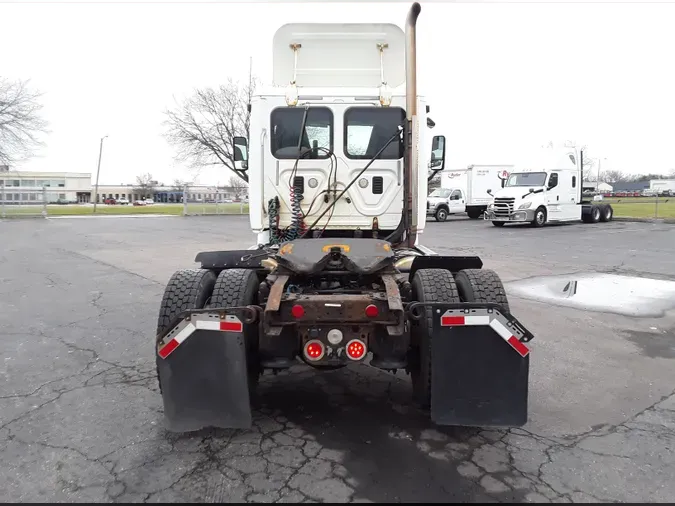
[662, 184]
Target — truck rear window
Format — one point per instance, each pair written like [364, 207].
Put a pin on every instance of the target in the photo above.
[285, 128]
[367, 129]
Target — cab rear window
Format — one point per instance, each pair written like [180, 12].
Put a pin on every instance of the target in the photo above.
[367, 129]
[317, 136]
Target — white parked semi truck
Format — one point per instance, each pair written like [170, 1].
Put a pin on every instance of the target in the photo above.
[546, 189]
[338, 275]
[466, 190]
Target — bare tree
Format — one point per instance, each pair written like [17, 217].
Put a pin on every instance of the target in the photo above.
[612, 176]
[20, 121]
[145, 185]
[237, 184]
[179, 185]
[201, 128]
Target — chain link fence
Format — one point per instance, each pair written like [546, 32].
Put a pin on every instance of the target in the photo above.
[200, 202]
[25, 202]
[653, 207]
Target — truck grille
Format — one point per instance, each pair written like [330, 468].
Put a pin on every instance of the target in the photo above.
[503, 207]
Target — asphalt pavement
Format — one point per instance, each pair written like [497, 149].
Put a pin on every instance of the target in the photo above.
[81, 414]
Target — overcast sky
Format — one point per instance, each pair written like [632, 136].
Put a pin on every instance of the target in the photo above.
[501, 77]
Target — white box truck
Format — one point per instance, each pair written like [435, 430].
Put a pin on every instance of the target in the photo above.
[466, 190]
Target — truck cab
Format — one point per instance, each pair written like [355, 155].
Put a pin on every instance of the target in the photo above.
[310, 143]
[445, 201]
[541, 190]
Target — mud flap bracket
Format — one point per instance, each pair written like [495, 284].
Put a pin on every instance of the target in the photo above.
[202, 370]
[480, 367]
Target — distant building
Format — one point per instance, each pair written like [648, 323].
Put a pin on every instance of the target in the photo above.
[169, 194]
[631, 186]
[661, 185]
[593, 186]
[23, 187]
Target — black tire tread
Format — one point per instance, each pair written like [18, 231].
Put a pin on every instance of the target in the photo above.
[481, 285]
[606, 213]
[430, 285]
[236, 288]
[187, 289]
[232, 287]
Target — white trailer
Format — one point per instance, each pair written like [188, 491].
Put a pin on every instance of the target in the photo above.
[547, 188]
[662, 186]
[466, 190]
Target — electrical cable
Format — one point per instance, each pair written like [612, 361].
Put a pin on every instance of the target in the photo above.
[391, 139]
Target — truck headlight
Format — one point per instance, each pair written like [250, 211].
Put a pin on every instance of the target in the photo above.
[526, 205]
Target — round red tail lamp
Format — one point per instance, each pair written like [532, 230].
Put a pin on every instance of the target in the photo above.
[372, 311]
[298, 311]
[314, 350]
[356, 349]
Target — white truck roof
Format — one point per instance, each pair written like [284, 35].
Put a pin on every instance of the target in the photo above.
[339, 54]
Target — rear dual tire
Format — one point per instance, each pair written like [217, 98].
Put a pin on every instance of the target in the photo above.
[190, 289]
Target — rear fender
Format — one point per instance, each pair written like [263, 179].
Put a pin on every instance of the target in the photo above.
[450, 263]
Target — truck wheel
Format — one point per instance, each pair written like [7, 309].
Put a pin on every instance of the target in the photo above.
[428, 285]
[481, 285]
[187, 289]
[607, 213]
[239, 287]
[595, 214]
[498, 223]
[441, 215]
[539, 217]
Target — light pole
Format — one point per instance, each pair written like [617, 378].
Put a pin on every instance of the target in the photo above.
[599, 166]
[98, 170]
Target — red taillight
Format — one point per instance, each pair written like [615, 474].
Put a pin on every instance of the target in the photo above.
[372, 311]
[298, 311]
[356, 349]
[314, 350]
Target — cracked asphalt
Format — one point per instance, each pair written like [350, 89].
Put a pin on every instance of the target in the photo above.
[81, 415]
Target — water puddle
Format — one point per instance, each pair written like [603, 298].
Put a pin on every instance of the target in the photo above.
[608, 293]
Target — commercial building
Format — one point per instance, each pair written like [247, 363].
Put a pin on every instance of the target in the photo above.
[662, 185]
[168, 194]
[25, 188]
[18, 187]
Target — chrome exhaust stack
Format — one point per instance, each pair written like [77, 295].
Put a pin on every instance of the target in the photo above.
[411, 132]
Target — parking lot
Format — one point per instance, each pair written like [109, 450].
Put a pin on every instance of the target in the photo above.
[81, 415]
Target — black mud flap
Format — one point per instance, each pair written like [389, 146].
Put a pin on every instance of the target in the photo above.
[202, 371]
[480, 368]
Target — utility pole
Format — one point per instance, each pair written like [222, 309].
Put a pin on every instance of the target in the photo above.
[597, 184]
[98, 170]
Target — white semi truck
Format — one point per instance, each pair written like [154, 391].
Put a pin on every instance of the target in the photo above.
[546, 189]
[466, 190]
[338, 275]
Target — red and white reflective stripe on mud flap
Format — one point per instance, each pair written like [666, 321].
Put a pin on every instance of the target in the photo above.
[508, 336]
[471, 320]
[229, 324]
[169, 347]
[460, 321]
